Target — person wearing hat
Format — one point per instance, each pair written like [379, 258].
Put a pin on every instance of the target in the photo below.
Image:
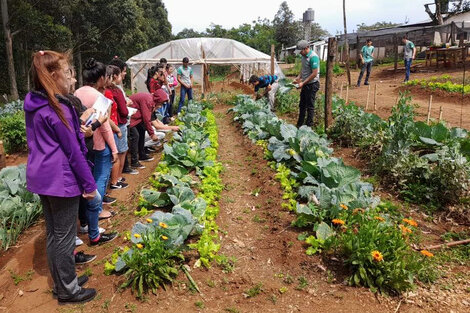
[308, 81]
[270, 85]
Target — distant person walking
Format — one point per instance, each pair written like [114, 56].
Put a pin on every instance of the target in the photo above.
[184, 75]
[409, 55]
[308, 81]
[367, 60]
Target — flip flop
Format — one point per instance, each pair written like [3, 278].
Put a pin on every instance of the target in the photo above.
[104, 218]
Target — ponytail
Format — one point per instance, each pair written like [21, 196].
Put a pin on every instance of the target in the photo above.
[44, 63]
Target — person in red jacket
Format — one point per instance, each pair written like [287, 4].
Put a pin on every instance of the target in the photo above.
[141, 121]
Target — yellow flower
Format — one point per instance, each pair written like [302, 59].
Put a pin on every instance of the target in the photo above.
[149, 220]
[427, 253]
[377, 256]
[343, 206]
[338, 221]
[164, 237]
[405, 230]
[379, 218]
[137, 235]
[139, 245]
[410, 222]
[163, 225]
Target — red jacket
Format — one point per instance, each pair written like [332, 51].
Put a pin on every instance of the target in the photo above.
[145, 105]
[122, 111]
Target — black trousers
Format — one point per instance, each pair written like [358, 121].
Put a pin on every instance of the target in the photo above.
[172, 100]
[307, 103]
[137, 142]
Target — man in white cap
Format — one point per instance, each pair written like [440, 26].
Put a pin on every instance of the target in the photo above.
[309, 83]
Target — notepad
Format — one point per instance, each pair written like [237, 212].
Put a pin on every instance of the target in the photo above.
[101, 105]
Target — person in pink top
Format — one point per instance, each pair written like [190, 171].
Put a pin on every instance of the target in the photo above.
[104, 145]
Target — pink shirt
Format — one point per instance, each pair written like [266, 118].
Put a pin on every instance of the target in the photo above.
[104, 134]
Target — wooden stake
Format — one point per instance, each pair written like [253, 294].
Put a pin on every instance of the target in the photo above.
[272, 59]
[368, 97]
[332, 49]
[347, 94]
[3, 161]
[440, 114]
[449, 244]
[341, 91]
[375, 98]
[429, 109]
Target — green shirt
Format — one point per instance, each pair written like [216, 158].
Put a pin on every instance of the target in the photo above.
[408, 53]
[185, 74]
[367, 53]
[310, 62]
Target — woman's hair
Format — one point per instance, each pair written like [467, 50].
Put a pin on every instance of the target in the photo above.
[168, 66]
[44, 63]
[119, 63]
[253, 79]
[111, 72]
[150, 73]
[93, 71]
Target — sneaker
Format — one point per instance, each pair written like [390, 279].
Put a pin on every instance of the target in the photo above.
[81, 280]
[122, 179]
[78, 241]
[119, 185]
[84, 229]
[82, 258]
[84, 295]
[130, 171]
[366, 83]
[108, 200]
[146, 158]
[104, 238]
[149, 150]
[137, 165]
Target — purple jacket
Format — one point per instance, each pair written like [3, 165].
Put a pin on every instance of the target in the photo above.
[57, 164]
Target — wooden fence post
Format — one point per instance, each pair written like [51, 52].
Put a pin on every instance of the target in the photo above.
[3, 161]
[330, 62]
[272, 60]
[440, 114]
[375, 98]
[395, 52]
[429, 109]
[347, 94]
[368, 97]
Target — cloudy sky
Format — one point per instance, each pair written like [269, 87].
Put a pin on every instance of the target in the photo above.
[199, 14]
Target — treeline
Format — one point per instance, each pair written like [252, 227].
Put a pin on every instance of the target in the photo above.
[102, 29]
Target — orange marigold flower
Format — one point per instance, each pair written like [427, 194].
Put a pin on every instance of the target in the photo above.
[427, 253]
[358, 210]
[139, 245]
[337, 221]
[405, 230]
[149, 220]
[343, 206]
[410, 222]
[162, 225]
[164, 237]
[379, 218]
[377, 256]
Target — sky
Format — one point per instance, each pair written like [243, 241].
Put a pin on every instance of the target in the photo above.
[199, 14]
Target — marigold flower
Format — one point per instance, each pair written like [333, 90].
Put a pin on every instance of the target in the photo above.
[427, 253]
[149, 220]
[164, 237]
[358, 210]
[137, 235]
[338, 221]
[343, 206]
[410, 222]
[379, 218]
[405, 230]
[162, 225]
[139, 245]
[377, 256]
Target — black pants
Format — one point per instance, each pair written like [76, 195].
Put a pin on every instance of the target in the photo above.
[137, 142]
[307, 103]
[366, 66]
[172, 100]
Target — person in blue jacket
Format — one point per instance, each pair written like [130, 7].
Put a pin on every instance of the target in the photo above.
[270, 85]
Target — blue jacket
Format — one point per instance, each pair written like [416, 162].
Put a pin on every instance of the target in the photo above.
[265, 81]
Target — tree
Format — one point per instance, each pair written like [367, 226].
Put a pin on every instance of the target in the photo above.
[436, 17]
[189, 33]
[287, 30]
[378, 25]
[9, 49]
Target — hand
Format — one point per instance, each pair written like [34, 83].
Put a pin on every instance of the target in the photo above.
[301, 84]
[102, 118]
[114, 158]
[175, 128]
[154, 137]
[413, 57]
[297, 80]
[129, 102]
[85, 115]
[86, 130]
[268, 88]
[119, 134]
[89, 196]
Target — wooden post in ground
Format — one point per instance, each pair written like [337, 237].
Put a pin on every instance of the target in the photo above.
[375, 97]
[395, 52]
[341, 90]
[3, 161]
[368, 97]
[330, 62]
[347, 94]
[440, 114]
[272, 60]
[429, 109]
[358, 52]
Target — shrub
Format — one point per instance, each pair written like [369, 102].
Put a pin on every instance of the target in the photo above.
[13, 132]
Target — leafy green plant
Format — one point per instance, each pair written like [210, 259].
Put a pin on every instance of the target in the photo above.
[13, 132]
[254, 291]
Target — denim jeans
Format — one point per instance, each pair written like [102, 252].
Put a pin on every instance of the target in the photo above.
[366, 66]
[407, 69]
[183, 93]
[94, 207]
[102, 170]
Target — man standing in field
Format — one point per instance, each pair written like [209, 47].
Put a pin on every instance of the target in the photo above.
[367, 60]
[185, 78]
[308, 81]
[409, 56]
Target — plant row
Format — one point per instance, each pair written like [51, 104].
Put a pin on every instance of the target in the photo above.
[426, 164]
[339, 211]
[185, 190]
[19, 208]
[443, 82]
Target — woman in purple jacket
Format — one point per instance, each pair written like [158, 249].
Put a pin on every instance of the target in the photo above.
[57, 169]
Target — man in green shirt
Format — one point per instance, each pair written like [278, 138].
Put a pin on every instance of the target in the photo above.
[308, 81]
[409, 54]
[367, 60]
